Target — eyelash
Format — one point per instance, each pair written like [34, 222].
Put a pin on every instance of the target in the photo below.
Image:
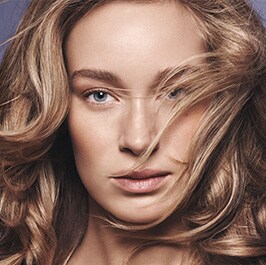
[93, 92]
[175, 93]
[170, 96]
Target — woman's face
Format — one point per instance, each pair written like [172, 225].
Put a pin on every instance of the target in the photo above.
[115, 57]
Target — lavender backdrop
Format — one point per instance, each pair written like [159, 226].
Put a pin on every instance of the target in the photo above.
[11, 11]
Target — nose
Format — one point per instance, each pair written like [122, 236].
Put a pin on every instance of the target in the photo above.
[138, 129]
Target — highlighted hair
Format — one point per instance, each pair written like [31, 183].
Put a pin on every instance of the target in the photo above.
[223, 205]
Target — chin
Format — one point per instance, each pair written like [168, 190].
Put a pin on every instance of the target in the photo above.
[138, 217]
[139, 214]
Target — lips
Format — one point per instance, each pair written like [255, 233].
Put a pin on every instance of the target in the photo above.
[144, 181]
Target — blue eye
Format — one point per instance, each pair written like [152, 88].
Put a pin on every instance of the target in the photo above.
[175, 93]
[99, 96]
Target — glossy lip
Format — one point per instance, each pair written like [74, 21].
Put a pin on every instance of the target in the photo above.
[143, 181]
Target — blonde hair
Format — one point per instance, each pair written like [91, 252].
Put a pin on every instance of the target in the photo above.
[223, 206]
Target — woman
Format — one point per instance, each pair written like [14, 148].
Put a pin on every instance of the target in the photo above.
[133, 132]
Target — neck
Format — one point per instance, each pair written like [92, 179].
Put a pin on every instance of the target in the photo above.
[104, 245]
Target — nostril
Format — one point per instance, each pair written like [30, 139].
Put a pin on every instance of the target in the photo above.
[131, 151]
[138, 151]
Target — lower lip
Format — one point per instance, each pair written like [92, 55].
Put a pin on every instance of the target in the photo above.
[140, 185]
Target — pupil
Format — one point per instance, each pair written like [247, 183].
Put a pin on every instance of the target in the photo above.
[100, 96]
[175, 93]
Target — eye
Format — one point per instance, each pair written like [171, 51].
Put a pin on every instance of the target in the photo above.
[99, 96]
[175, 94]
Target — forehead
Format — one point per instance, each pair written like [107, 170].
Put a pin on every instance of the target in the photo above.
[130, 35]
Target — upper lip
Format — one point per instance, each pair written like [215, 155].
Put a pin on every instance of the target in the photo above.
[144, 174]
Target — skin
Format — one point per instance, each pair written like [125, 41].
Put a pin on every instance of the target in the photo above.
[134, 42]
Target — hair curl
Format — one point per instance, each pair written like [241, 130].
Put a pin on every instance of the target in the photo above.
[223, 206]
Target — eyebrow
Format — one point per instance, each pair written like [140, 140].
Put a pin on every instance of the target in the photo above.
[114, 80]
[98, 75]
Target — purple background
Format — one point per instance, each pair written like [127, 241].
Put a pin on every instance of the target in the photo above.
[11, 10]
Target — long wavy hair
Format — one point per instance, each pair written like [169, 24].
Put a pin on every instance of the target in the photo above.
[223, 205]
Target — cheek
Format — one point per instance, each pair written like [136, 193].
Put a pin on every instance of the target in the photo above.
[87, 136]
[93, 135]
[83, 137]
[180, 133]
